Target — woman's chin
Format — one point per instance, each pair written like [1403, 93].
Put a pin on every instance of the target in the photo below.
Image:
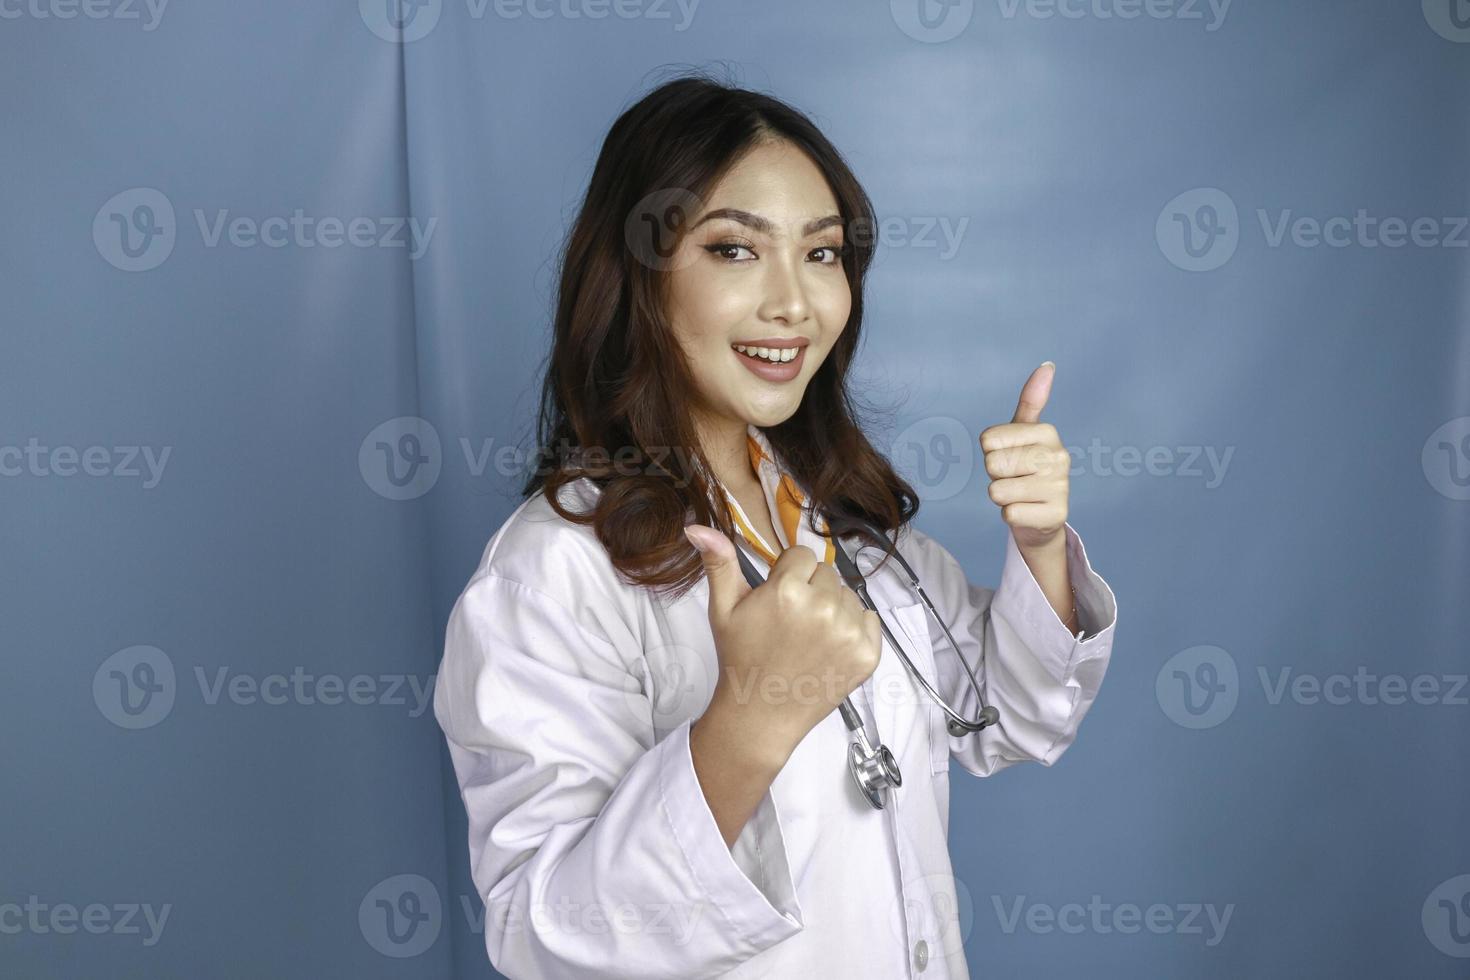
[766, 414]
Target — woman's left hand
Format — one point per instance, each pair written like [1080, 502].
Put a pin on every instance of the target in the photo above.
[1028, 467]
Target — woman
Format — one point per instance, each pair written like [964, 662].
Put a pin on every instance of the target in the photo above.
[654, 773]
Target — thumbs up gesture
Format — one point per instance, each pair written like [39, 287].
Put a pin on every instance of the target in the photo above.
[1028, 467]
[789, 649]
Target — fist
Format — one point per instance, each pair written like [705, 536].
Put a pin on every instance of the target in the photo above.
[789, 649]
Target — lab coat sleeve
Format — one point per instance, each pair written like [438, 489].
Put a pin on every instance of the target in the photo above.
[591, 842]
[1039, 677]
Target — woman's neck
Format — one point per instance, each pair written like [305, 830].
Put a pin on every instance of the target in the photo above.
[725, 447]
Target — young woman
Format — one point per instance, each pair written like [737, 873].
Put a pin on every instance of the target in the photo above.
[651, 741]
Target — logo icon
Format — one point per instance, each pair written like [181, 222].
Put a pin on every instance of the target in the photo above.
[677, 687]
[1446, 917]
[401, 458]
[401, 916]
[135, 230]
[400, 21]
[1198, 687]
[936, 455]
[655, 225]
[938, 909]
[1446, 459]
[1450, 19]
[1199, 229]
[135, 687]
[932, 21]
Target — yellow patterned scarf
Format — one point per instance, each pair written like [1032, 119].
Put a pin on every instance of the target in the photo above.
[787, 503]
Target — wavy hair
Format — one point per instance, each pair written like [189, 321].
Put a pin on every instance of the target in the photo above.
[614, 404]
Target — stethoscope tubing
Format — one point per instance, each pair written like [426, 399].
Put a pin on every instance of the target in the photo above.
[956, 724]
[850, 717]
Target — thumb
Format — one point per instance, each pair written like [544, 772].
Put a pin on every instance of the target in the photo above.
[727, 584]
[1035, 393]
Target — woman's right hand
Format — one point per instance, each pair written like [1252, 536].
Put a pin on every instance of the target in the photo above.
[790, 649]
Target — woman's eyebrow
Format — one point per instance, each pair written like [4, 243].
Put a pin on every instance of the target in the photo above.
[763, 225]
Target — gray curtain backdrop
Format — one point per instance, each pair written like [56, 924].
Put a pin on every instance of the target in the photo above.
[277, 280]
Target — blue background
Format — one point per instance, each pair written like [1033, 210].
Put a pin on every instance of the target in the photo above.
[1334, 540]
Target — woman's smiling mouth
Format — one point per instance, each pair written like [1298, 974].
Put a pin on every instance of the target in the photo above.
[773, 360]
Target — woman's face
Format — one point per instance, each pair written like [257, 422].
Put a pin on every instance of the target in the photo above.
[760, 267]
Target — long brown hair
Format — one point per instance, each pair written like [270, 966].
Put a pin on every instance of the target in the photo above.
[614, 403]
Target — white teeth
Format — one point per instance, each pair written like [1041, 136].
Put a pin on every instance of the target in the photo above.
[774, 355]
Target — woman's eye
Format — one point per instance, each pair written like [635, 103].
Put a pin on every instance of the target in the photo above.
[729, 251]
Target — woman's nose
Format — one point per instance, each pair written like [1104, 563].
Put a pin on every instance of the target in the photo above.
[785, 294]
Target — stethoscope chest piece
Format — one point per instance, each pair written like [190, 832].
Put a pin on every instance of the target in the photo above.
[873, 772]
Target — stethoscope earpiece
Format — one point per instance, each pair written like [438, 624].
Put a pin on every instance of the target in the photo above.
[988, 716]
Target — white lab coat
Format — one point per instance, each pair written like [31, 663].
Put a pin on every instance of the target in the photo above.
[566, 696]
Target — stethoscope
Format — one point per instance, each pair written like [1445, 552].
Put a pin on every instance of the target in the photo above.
[874, 770]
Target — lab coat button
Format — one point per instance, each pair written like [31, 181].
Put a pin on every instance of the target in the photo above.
[921, 955]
